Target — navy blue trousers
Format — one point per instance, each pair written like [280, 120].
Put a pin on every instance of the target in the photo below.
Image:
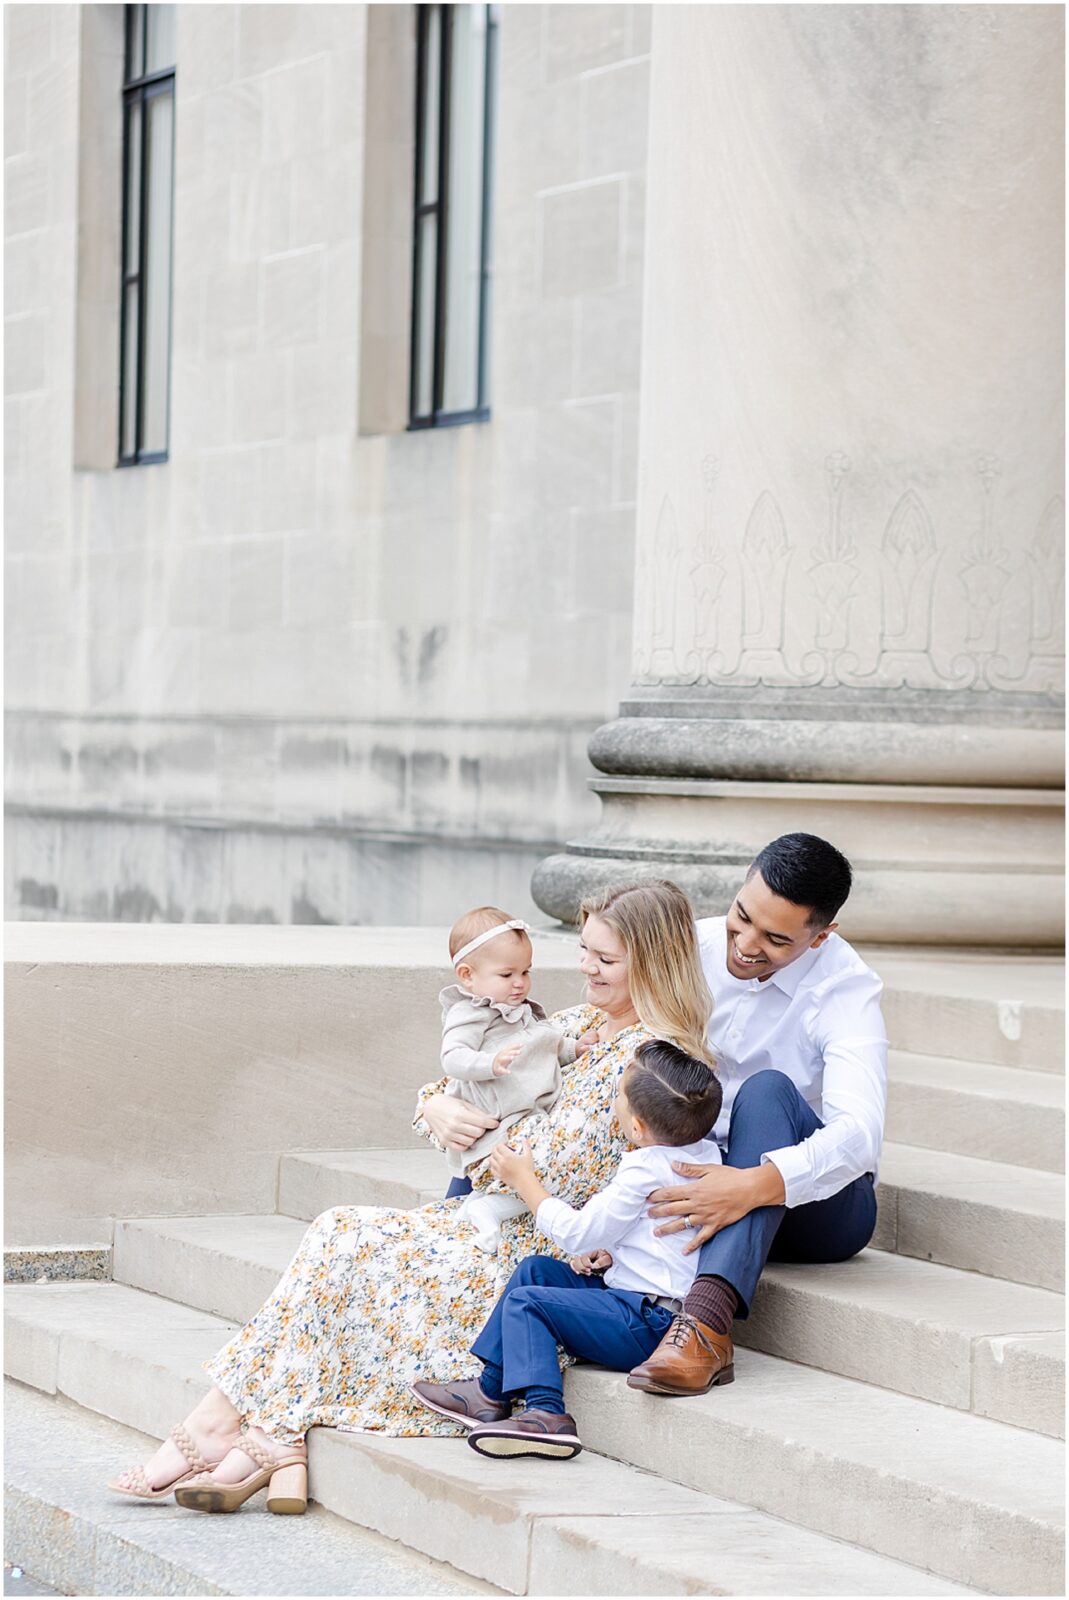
[458, 1186]
[546, 1304]
[768, 1114]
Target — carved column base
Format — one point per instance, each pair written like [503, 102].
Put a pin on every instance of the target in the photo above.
[935, 864]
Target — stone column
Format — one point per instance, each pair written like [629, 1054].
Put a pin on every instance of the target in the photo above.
[849, 595]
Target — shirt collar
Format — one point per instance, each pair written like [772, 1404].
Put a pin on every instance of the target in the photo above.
[789, 978]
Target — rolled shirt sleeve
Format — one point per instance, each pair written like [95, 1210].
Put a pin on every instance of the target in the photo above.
[848, 1029]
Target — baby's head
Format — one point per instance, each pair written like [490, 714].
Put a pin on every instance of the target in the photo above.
[667, 1097]
[499, 966]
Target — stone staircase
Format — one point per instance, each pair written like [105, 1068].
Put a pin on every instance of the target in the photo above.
[895, 1427]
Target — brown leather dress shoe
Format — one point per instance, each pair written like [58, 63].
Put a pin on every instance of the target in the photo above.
[462, 1402]
[532, 1433]
[690, 1359]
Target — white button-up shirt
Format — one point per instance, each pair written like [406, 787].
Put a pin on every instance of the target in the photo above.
[618, 1220]
[819, 1022]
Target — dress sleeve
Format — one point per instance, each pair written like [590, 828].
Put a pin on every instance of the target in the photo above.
[421, 1126]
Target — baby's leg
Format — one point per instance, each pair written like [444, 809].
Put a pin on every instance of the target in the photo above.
[486, 1213]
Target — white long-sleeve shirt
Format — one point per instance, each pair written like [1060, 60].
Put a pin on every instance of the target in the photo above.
[819, 1022]
[617, 1220]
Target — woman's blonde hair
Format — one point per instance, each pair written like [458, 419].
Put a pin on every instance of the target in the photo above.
[655, 921]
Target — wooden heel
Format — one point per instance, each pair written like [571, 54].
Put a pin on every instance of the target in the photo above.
[287, 1493]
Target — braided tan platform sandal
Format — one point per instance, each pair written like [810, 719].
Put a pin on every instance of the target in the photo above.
[139, 1487]
[286, 1477]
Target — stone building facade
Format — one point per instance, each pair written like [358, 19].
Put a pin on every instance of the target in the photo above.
[315, 666]
[321, 666]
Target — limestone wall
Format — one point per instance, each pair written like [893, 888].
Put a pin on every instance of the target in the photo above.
[349, 671]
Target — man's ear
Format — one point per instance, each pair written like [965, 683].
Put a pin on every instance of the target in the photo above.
[822, 935]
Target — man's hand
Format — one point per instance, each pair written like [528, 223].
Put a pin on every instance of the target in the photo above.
[714, 1198]
[505, 1057]
[590, 1261]
[455, 1123]
[512, 1166]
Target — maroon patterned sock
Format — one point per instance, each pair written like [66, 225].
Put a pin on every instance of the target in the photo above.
[713, 1302]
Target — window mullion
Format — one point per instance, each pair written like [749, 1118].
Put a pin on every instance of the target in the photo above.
[442, 229]
[142, 297]
[484, 241]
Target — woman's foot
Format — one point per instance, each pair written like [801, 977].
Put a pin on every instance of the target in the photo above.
[236, 1465]
[200, 1442]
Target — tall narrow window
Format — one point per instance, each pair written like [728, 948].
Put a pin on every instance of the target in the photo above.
[456, 61]
[148, 190]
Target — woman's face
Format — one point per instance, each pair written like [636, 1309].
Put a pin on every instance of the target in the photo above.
[603, 963]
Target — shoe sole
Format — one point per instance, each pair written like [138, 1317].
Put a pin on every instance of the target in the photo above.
[453, 1416]
[648, 1386]
[557, 1446]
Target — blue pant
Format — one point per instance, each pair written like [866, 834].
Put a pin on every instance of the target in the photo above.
[768, 1114]
[458, 1186]
[546, 1304]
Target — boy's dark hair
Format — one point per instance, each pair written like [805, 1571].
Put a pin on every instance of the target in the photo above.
[808, 872]
[677, 1096]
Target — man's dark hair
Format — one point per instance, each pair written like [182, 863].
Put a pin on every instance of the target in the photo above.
[808, 872]
[677, 1096]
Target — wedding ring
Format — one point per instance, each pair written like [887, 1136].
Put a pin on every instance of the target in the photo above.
[689, 1220]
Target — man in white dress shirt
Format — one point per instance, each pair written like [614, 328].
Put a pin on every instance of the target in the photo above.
[801, 1049]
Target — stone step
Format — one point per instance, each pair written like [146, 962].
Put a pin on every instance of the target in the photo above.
[953, 1337]
[595, 1526]
[993, 1113]
[59, 1517]
[975, 1007]
[983, 1216]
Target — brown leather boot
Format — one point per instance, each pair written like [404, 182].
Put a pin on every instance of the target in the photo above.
[690, 1359]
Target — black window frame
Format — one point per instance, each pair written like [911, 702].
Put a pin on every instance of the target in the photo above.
[139, 91]
[439, 207]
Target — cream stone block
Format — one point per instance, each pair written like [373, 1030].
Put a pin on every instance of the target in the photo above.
[269, 37]
[326, 196]
[320, 580]
[576, 442]
[197, 586]
[24, 352]
[259, 396]
[579, 37]
[639, 25]
[346, 66]
[600, 580]
[29, 37]
[234, 127]
[520, 46]
[256, 583]
[615, 118]
[292, 297]
[16, 100]
[295, 106]
[581, 238]
[231, 309]
[27, 193]
[52, 104]
[287, 488]
[259, 212]
[608, 345]
[207, 47]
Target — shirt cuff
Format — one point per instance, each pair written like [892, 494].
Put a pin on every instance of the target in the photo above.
[793, 1166]
[549, 1211]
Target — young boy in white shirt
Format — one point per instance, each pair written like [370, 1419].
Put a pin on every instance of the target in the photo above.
[666, 1105]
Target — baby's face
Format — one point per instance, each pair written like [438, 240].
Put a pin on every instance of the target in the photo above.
[500, 970]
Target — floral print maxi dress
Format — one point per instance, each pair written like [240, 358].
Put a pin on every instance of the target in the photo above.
[376, 1298]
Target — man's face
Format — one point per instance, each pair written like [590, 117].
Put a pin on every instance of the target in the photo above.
[766, 932]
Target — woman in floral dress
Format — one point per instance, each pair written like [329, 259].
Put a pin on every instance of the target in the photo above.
[377, 1298]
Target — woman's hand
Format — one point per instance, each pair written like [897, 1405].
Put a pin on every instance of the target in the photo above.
[455, 1123]
[590, 1261]
[512, 1166]
[715, 1197]
[585, 1041]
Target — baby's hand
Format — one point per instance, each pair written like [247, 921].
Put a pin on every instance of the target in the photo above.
[505, 1057]
[585, 1040]
[591, 1261]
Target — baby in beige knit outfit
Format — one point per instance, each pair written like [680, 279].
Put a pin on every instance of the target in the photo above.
[499, 1050]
